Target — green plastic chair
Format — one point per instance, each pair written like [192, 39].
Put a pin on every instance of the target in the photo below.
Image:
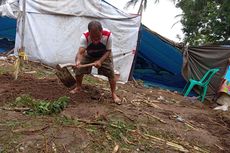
[203, 83]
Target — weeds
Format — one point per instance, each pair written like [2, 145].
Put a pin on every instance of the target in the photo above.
[118, 128]
[5, 70]
[43, 74]
[11, 123]
[42, 107]
[63, 120]
[90, 80]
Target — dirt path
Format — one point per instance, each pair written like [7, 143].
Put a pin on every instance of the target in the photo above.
[149, 120]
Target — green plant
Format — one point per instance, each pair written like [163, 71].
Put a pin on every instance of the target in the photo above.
[24, 101]
[90, 80]
[42, 73]
[42, 107]
[64, 120]
[5, 69]
[116, 128]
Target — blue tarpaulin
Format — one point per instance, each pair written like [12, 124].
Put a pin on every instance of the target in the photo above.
[7, 28]
[7, 33]
[158, 62]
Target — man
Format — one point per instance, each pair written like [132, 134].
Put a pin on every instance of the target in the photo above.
[95, 47]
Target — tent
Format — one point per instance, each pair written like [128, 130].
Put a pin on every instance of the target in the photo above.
[8, 25]
[7, 33]
[198, 60]
[159, 61]
[7, 28]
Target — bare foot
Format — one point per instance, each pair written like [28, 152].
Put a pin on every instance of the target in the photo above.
[116, 99]
[75, 90]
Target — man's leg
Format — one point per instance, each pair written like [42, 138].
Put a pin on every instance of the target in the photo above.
[112, 83]
[79, 73]
[79, 79]
[106, 69]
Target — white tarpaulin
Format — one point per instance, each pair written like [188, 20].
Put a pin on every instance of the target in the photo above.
[10, 9]
[53, 29]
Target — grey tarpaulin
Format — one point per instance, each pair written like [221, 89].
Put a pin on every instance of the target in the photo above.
[198, 60]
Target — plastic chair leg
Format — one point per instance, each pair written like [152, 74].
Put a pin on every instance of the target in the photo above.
[185, 87]
[189, 89]
[201, 89]
[204, 93]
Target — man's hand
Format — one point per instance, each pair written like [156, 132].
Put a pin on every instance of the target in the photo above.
[97, 63]
[78, 63]
[102, 59]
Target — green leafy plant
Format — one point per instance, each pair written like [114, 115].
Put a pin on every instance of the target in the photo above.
[6, 70]
[42, 107]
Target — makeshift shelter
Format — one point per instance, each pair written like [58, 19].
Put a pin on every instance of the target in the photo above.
[7, 28]
[7, 33]
[159, 61]
[198, 60]
[8, 25]
[49, 31]
[52, 31]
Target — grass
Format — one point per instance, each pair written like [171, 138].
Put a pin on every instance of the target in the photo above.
[39, 71]
[88, 79]
[41, 107]
[9, 142]
[6, 69]
[119, 131]
[27, 67]
[11, 123]
[43, 74]
[65, 121]
[9, 139]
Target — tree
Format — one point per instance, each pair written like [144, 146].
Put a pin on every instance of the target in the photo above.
[142, 6]
[205, 21]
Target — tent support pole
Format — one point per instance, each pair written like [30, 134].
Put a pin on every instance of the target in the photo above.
[135, 56]
[23, 24]
[21, 52]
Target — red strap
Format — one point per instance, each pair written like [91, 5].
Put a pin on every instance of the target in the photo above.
[106, 33]
[86, 34]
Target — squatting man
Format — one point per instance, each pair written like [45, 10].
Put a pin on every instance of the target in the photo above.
[95, 47]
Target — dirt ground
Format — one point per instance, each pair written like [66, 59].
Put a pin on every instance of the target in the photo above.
[149, 120]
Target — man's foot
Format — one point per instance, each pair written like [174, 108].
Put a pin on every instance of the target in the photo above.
[116, 99]
[75, 90]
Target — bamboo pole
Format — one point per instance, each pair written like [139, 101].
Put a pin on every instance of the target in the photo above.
[21, 52]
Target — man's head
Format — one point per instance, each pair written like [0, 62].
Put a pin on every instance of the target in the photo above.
[95, 29]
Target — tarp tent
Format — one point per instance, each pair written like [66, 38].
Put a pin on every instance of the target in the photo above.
[198, 60]
[8, 25]
[7, 33]
[159, 61]
[7, 28]
[52, 30]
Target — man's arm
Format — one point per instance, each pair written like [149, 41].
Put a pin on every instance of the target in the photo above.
[79, 56]
[102, 59]
[107, 54]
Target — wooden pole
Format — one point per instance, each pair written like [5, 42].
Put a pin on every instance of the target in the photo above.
[23, 24]
[21, 53]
